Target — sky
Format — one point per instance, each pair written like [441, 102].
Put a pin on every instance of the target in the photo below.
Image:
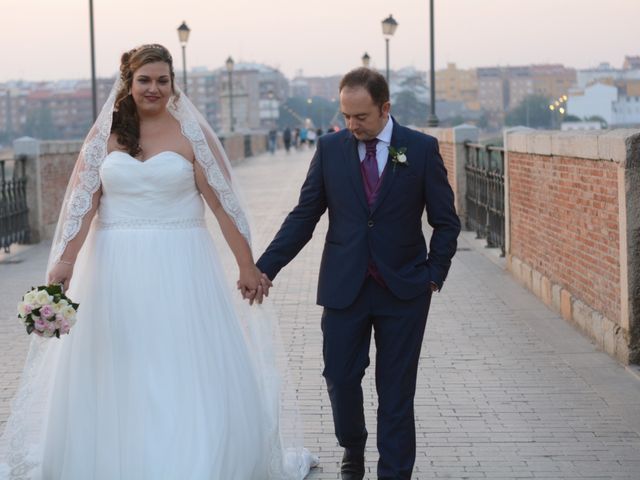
[49, 39]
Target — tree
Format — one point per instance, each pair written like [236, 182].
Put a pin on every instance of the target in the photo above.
[533, 111]
[40, 125]
[597, 118]
[409, 110]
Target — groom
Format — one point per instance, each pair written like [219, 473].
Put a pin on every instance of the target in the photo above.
[376, 178]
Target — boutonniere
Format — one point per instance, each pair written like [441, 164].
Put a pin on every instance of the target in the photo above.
[398, 156]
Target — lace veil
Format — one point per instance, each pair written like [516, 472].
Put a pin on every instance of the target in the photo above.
[21, 442]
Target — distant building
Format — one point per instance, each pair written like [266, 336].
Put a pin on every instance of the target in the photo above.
[492, 89]
[456, 85]
[501, 89]
[611, 103]
[519, 85]
[309, 87]
[60, 109]
[257, 93]
[13, 112]
[626, 111]
[552, 81]
[606, 73]
[594, 100]
[631, 63]
[203, 86]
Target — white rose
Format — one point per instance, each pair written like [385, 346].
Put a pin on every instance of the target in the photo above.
[30, 297]
[43, 298]
[58, 307]
[68, 312]
[402, 158]
[22, 310]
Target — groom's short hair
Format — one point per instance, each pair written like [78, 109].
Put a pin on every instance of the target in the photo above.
[372, 81]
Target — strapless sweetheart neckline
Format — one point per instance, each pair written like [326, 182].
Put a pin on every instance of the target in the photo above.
[164, 152]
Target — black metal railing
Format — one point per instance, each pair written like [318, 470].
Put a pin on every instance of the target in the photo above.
[484, 167]
[14, 214]
[248, 150]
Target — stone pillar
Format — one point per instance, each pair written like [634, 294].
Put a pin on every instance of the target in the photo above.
[629, 226]
[30, 148]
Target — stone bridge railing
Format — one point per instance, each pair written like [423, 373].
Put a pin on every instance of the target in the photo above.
[572, 224]
[571, 209]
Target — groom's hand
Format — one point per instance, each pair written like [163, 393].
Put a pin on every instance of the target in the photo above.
[253, 284]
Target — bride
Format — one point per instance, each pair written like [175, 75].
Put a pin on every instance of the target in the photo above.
[164, 376]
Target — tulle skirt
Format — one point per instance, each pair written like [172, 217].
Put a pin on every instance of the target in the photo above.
[156, 380]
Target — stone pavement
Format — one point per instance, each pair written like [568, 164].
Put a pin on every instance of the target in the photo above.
[506, 388]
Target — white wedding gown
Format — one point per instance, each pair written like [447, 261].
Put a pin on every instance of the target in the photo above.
[156, 380]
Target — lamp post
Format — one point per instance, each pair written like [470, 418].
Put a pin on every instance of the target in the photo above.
[94, 89]
[559, 106]
[432, 121]
[309, 103]
[366, 60]
[389, 26]
[183, 35]
[229, 64]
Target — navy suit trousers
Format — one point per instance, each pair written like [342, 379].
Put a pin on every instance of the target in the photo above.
[398, 326]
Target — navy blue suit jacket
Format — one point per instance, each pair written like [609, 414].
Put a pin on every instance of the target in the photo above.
[390, 231]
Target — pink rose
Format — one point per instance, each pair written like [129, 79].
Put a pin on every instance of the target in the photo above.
[28, 309]
[46, 311]
[40, 324]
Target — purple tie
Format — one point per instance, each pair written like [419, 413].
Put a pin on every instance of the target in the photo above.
[370, 164]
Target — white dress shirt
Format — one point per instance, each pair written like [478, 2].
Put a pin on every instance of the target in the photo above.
[382, 147]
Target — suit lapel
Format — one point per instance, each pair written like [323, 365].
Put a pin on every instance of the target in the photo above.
[397, 141]
[352, 162]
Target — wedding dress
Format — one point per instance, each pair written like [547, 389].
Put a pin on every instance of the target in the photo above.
[158, 379]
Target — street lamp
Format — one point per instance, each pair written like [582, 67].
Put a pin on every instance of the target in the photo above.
[94, 89]
[432, 121]
[366, 60]
[559, 106]
[389, 26]
[183, 35]
[309, 103]
[229, 63]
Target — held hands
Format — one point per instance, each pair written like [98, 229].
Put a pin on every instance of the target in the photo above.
[253, 284]
[61, 273]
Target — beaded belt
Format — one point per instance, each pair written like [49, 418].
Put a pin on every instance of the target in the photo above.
[150, 223]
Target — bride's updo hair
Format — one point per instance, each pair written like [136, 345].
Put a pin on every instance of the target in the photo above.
[126, 122]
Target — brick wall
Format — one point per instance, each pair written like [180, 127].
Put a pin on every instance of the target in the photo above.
[57, 160]
[573, 223]
[451, 142]
[447, 151]
[564, 224]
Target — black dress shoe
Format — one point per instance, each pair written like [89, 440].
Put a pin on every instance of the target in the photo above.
[352, 467]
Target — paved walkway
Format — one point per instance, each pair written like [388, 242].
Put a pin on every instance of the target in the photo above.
[506, 388]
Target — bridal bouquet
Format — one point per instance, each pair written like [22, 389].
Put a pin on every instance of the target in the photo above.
[47, 311]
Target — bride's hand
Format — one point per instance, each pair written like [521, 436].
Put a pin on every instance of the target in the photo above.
[253, 284]
[61, 273]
